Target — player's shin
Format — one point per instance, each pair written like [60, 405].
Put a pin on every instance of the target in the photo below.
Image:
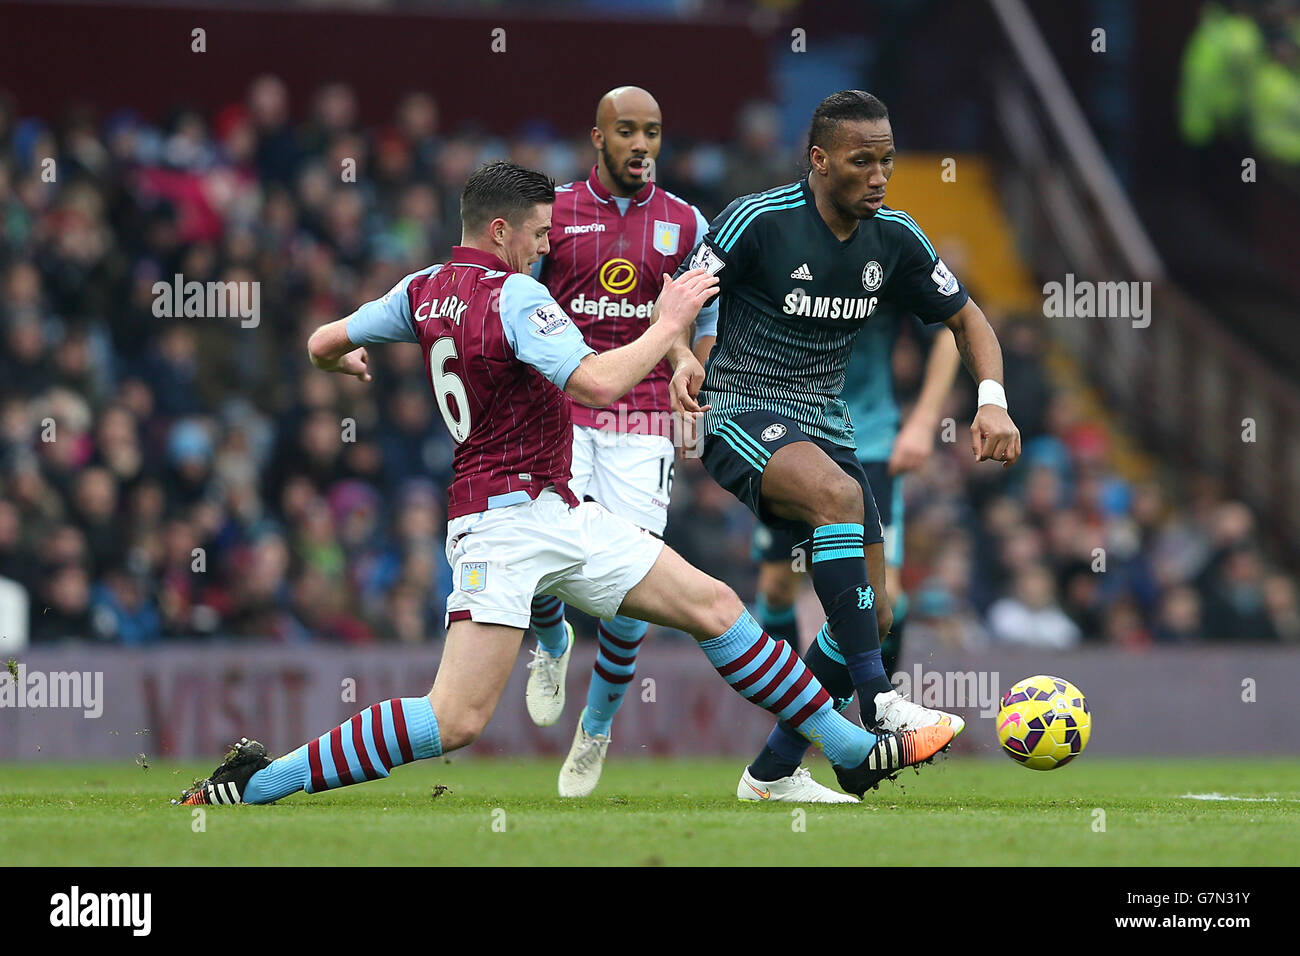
[364, 747]
[785, 747]
[839, 573]
[620, 641]
[770, 674]
[548, 624]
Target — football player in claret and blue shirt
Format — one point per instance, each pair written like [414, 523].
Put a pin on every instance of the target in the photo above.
[614, 236]
[503, 359]
[803, 268]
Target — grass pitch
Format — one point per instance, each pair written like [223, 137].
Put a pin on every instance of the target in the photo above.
[650, 812]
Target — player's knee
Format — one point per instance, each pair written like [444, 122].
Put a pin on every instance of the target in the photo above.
[838, 500]
[719, 610]
[461, 726]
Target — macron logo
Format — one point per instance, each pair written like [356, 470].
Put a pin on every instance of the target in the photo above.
[588, 227]
[132, 910]
[803, 272]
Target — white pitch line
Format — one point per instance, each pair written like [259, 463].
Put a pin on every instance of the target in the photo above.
[1224, 796]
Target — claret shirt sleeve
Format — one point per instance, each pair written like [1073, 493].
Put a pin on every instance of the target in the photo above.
[539, 331]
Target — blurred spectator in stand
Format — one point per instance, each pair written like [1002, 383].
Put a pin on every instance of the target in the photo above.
[122, 611]
[1179, 620]
[1031, 616]
[759, 162]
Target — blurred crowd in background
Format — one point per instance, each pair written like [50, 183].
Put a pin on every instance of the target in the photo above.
[190, 478]
[1241, 78]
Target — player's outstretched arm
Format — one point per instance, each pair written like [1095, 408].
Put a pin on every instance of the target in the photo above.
[915, 441]
[993, 434]
[600, 380]
[332, 351]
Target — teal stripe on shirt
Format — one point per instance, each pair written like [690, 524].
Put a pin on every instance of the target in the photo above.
[726, 247]
[906, 221]
[744, 208]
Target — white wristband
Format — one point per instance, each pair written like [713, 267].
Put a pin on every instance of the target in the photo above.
[991, 393]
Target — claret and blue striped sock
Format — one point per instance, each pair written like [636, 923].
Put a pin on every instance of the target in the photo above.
[364, 747]
[620, 640]
[770, 674]
[548, 624]
[785, 748]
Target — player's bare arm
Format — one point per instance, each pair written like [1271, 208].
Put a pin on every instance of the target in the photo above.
[993, 435]
[688, 376]
[600, 380]
[915, 439]
[332, 351]
[681, 347]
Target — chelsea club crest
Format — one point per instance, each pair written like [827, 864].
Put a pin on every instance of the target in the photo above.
[872, 275]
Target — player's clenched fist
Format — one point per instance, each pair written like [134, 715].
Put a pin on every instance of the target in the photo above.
[681, 299]
[357, 363]
[994, 436]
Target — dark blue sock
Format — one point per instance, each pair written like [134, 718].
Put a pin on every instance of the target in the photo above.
[780, 756]
[839, 571]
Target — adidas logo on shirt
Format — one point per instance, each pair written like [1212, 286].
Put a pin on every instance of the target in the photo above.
[803, 272]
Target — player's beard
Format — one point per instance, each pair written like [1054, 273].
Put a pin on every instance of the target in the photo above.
[629, 183]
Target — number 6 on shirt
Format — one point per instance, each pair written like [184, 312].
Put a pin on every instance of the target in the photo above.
[446, 384]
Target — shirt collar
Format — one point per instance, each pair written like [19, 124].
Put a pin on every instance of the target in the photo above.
[469, 256]
[641, 197]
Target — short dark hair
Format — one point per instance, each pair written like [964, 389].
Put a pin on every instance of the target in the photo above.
[841, 106]
[502, 190]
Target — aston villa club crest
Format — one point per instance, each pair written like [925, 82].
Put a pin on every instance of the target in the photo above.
[473, 576]
[666, 236]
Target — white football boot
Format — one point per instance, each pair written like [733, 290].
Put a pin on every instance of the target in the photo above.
[544, 694]
[581, 770]
[799, 787]
[895, 713]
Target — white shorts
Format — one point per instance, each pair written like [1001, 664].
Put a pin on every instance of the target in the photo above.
[585, 556]
[631, 475]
